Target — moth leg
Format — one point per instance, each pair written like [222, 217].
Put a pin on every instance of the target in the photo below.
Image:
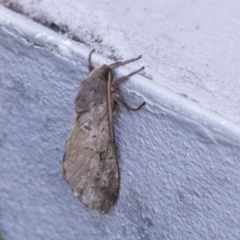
[121, 102]
[117, 82]
[90, 65]
[118, 64]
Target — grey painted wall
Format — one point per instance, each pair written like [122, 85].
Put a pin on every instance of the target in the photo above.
[179, 162]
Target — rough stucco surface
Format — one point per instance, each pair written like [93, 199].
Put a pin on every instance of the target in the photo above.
[179, 162]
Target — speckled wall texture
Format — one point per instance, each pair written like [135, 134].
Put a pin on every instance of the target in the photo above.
[179, 162]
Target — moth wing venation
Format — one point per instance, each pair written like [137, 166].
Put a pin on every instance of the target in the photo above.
[90, 163]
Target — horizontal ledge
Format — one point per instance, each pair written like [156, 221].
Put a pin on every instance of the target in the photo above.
[174, 104]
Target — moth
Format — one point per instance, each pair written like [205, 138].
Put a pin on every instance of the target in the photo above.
[90, 164]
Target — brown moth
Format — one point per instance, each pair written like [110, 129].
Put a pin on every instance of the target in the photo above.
[90, 164]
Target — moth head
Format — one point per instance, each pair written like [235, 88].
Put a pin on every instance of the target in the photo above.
[101, 71]
[104, 71]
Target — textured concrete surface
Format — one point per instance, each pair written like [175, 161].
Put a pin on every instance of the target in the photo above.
[179, 162]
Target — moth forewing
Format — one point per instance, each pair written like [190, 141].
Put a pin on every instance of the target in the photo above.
[110, 104]
[90, 164]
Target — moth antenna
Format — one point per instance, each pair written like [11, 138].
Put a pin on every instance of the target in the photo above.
[117, 82]
[118, 64]
[90, 65]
